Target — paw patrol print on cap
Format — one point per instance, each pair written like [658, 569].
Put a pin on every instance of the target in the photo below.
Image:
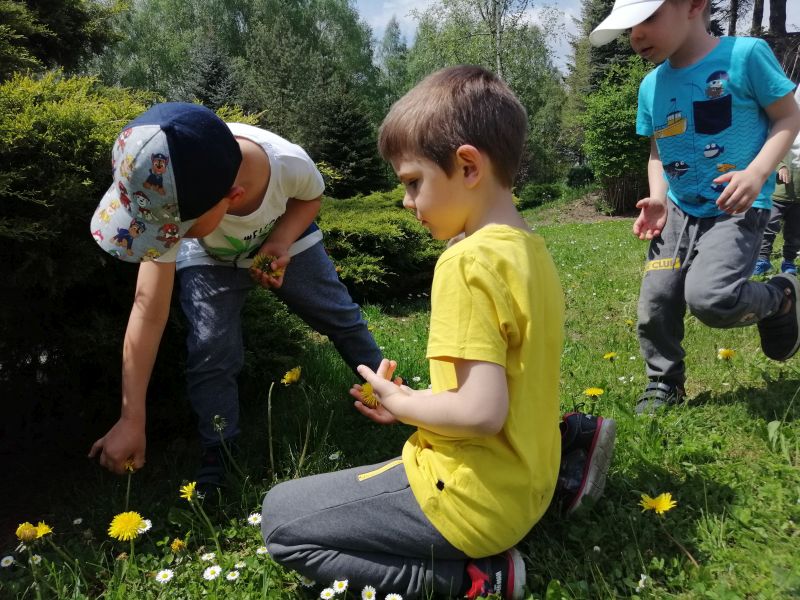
[170, 165]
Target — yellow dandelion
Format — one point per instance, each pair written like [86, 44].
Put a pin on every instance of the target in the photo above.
[126, 526]
[42, 529]
[263, 262]
[26, 532]
[660, 504]
[177, 545]
[610, 356]
[368, 396]
[129, 466]
[292, 376]
[593, 392]
[629, 322]
[725, 353]
[187, 491]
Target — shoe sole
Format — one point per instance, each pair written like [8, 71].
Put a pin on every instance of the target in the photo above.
[518, 569]
[597, 464]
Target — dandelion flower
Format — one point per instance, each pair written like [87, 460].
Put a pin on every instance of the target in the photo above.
[262, 550]
[42, 529]
[129, 467]
[368, 593]
[77, 521]
[164, 575]
[327, 594]
[208, 556]
[629, 322]
[35, 559]
[292, 376]
[239, 565]
[26, 532]
[263, 263]
[219, 423]
[188, 491]
[394, 597]
[593, 392]
[177, 545]
[232, 576]
[725, 353]
[610, 356]
[642, 583]
[146, 526]
[212, 572]
[307, 582]
[254, 519]
[125, 526]
[660, 504]
[368, 396]
[7, 561]
[340, 586]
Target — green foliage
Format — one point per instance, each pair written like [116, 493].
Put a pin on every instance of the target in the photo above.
[580, 176]
[392, 58]
[379, 248]
[618, 155]
[17, 24]
[536, 194]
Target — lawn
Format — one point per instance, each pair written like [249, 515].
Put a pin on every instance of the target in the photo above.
[730, 458]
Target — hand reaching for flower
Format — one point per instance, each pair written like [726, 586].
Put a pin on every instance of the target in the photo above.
[383, 377]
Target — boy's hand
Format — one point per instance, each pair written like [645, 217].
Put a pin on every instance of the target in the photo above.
[282, 258]
[124, 441]
[383, 386]
[784, 176]
[651, 219]
[740, 193]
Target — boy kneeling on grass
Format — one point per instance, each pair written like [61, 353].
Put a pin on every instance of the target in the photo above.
[483, 465]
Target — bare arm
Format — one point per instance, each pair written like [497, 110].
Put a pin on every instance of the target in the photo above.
[478, 407]
[126, 439]
[744, 186]
[653, 215]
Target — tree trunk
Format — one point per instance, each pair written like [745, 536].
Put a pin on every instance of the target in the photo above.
[758, 17]
[734, 17]
[777, 16]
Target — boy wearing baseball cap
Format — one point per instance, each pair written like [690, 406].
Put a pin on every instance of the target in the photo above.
[194, 196]
[720, 115]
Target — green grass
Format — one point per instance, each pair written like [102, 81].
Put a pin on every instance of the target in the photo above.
[730, 458]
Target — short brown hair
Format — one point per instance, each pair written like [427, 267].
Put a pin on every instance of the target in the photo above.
[455, 106]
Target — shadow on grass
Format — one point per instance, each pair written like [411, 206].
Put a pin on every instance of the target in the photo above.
[778, 399]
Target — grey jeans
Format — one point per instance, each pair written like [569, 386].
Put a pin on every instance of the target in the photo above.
[364, 525]
[703, 264]
[787, 213]
[212, 298]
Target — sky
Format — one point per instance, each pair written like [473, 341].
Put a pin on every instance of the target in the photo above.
[378, 12]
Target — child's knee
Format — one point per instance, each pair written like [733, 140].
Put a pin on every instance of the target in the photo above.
[278, 508]
[713, 310]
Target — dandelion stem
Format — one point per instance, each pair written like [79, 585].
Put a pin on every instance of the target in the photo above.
[229, 455]
[198, 508]
[269, 430]
[681, 546]
[128, 491]
[34, 573]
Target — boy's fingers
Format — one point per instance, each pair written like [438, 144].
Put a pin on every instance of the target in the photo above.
[96, 447]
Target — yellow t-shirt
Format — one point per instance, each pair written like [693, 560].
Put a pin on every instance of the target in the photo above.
[496, 297]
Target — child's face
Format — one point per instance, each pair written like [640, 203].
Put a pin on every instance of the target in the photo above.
[663, 33]
[437, 200]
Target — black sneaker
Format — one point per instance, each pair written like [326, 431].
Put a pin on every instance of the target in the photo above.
[780, 336]
[658, 394]
[587, 446]
[501, 574]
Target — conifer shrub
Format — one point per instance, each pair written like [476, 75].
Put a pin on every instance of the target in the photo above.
[536, 194]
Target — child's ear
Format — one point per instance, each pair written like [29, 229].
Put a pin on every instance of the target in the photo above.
[470, 164]
[235, 195]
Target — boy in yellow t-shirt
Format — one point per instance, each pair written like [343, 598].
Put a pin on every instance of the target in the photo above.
[483, 465]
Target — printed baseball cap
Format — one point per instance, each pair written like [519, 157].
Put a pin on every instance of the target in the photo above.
[169, 165]
[624, 15]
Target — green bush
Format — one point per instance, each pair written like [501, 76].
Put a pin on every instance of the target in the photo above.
[379, 248]
[580, 176]
[536, 194]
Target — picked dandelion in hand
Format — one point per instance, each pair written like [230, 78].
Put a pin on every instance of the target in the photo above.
[263, 263]
[368, 397]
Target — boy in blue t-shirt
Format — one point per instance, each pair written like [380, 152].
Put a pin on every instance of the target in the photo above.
[720, 115]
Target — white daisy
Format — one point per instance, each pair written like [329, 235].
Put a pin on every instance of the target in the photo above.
[232, 576]
[307, 582]
[327, 594]
[262, 550]
[164, 575]
[335, 456]
[642, 582]
[416, 379]
[146, 525]
[368, 593]
[597, 549]
[239, 565]
[211, 572]
[77, 521]
[35, 559]
[207, 556]
[254, 519]
[7, 561]
[340, 586]
[394, 597]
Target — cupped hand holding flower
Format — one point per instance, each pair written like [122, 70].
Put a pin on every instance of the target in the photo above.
[379, 413]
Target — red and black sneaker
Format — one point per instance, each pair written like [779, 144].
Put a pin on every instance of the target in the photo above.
[502, 574]
[587, 447]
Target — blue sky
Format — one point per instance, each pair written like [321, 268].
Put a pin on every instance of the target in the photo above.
[378, 12]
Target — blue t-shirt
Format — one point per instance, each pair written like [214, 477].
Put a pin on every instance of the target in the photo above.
[708, 119]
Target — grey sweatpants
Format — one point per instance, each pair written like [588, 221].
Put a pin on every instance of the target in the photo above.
[363, 525]
[705, 264]
[787, 213]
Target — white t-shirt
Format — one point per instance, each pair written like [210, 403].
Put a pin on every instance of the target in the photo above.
[292, 175]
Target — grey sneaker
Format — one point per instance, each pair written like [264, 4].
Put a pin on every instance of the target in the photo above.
[659, 394]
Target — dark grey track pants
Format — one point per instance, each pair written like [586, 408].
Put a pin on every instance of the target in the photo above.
[703, 264]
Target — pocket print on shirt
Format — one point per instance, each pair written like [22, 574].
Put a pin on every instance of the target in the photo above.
[712, 116]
